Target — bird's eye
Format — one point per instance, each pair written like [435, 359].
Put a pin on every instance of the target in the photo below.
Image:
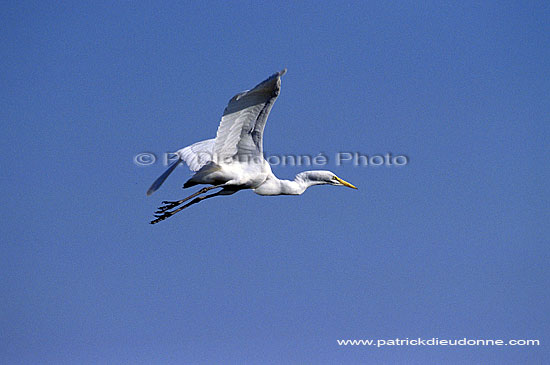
[334, 178]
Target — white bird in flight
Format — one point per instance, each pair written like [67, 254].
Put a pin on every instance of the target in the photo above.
[234, 160]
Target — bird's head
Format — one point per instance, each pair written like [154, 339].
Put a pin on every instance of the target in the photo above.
[323, 177]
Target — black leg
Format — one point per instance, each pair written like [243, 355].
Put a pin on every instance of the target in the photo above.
[167, 214]
[172, 204]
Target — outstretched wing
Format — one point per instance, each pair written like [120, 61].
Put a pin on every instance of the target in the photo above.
[240, 132]
[242, 126]
[198, 154]
[195, 156]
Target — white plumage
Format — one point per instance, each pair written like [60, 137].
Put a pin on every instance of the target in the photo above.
[234, 159]
[198, 154]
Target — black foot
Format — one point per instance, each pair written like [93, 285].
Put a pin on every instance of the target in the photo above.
[161, 217]
[167, 206]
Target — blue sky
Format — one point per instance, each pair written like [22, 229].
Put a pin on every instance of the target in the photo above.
[452, 245]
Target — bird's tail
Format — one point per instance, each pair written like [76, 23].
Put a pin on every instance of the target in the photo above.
[158, 182]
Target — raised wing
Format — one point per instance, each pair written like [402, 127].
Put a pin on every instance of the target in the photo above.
[242, 126]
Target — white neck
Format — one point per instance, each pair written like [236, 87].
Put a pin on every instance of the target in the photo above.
[275, 186]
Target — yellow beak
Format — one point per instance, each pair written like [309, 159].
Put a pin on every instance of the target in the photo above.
[345, 183]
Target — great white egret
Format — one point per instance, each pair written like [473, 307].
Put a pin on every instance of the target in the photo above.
[234, 160]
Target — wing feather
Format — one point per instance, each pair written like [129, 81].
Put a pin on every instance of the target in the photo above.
[158, 182]
[241, 129]
[198, 154]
